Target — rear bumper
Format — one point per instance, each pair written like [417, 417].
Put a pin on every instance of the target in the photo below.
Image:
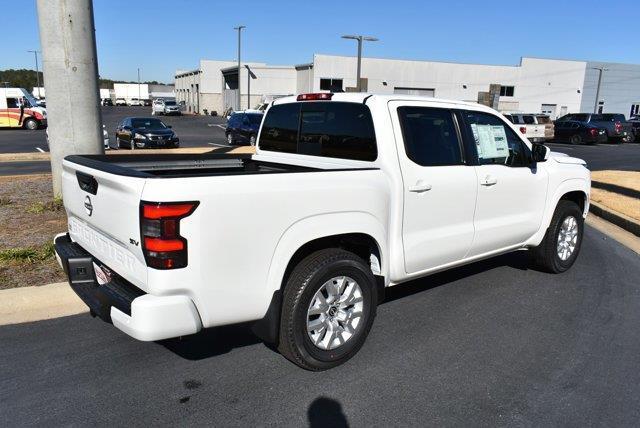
[141, 316]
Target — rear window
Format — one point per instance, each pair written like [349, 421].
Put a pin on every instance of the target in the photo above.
[330, 129]
[543, 120]
[529, 120]
[582, 117]
[613, 117]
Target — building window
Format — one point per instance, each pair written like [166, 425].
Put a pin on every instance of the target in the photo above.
[506, 91]
[333, 85]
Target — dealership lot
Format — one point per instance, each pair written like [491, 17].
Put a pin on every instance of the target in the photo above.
[493, 342]
[193, 131]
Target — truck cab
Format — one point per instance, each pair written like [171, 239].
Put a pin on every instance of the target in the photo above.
[19, 109]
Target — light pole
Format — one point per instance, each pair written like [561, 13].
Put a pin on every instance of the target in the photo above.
[360, 38]
[239, 29]
[601, 70]
[250, 76]
[37, 71]
[138, 83]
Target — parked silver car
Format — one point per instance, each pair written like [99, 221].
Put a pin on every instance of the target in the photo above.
[165, 107]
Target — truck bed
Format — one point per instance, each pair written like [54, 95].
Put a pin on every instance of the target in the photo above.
[183, 165]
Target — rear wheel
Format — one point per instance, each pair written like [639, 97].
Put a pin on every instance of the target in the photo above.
[31, 124]
[575, 139]
[561, 244]
[328, 308]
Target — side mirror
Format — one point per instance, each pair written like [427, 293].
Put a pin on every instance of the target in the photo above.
[169, 126]
[540, 152]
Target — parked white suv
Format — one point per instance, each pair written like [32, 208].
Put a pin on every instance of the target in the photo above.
[165, 107]
[346, 195]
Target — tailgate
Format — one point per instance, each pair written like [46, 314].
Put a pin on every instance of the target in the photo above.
[103, 212]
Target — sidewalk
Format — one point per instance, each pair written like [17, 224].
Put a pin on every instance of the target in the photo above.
[26, 304]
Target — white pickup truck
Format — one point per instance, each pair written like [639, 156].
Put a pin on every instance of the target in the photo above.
[347, 194]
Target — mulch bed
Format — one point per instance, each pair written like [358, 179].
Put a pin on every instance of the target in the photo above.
[29, 219]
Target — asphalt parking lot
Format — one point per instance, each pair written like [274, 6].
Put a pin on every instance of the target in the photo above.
[193, 131]
[490, 344]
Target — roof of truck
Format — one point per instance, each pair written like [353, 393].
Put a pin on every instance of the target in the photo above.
[358, 97]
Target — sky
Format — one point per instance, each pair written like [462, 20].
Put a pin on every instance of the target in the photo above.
[162, 36]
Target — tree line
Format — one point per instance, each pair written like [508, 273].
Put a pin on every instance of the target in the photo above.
[25, 78]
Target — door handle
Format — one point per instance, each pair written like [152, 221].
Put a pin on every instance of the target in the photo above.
[420, 187]
[489, 180]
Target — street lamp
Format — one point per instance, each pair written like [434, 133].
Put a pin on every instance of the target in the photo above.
[138, 84]
[601, 70]
[239, 29]
[37, 71]
[360, 38]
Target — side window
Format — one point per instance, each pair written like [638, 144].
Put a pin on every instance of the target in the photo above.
[12, 103]
[496, 143]
[430, 137]
[529, 120]
[280, 129]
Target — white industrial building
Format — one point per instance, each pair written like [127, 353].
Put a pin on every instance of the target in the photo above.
[213, 86]
[535, 85]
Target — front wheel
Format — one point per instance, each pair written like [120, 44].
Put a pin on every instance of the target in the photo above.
[328, 308]
[31, 124]
[575, 139]
[561, 244]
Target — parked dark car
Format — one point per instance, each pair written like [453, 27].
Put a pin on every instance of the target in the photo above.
[107, 102]
[576, 132]
[242, 127]
[615, 125]
[145, 132]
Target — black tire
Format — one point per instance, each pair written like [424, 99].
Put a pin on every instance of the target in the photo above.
[31, 124]
[303, 283]
[575, 139]
[545, 256]
[118, 143]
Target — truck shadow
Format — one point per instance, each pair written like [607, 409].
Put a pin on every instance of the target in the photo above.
[517, 260]
[212, 341]
[221, 340]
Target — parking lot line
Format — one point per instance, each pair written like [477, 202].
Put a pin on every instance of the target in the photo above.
[218, 145]
[40, 150]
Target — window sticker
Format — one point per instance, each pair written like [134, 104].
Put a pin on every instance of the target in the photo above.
[491, 141]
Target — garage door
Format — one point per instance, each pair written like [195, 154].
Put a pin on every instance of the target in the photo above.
[425, 92]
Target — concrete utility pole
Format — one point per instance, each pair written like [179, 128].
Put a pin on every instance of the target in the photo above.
[250, 76]
[37, 72]
[70, 64]
[239, 29]
[360, 38]
[138, 83]
[601, 70]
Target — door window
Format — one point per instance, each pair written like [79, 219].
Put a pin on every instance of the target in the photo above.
[430, 136]
[495, 141]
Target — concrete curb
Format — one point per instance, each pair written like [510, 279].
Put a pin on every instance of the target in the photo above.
[27, 304]
[614, 188]
[44, 157]
[619, 219]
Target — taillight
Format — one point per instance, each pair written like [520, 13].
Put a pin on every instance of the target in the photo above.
[523, 130]
[162, 244]
[315, 97]
[593, 132]
[618, 127]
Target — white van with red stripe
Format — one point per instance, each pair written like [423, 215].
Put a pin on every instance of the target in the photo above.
[19, 109]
